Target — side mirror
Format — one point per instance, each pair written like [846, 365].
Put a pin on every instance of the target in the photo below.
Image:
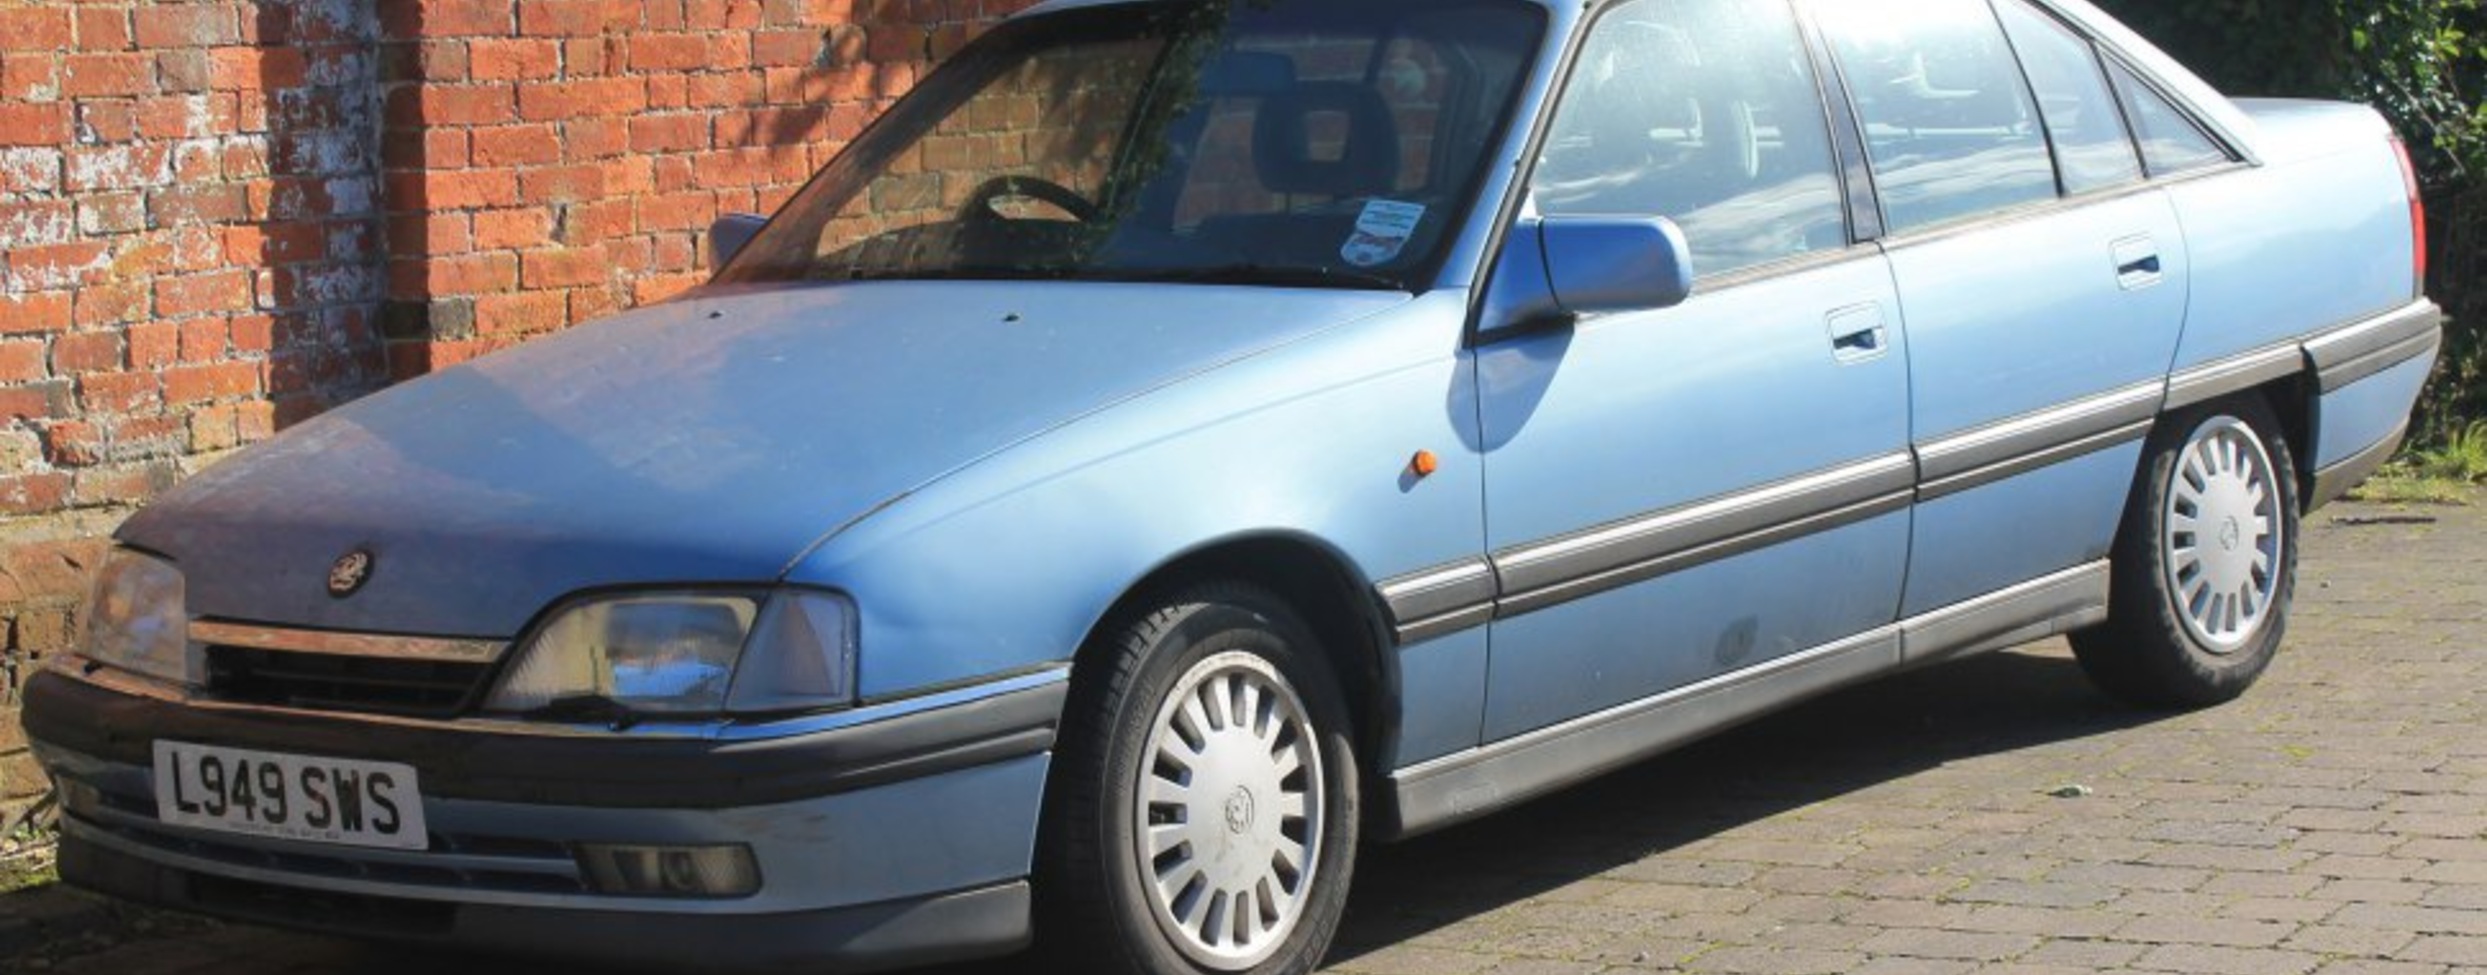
[729, 234]
[1559, 268]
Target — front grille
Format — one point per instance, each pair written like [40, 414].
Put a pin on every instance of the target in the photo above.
[336, 682]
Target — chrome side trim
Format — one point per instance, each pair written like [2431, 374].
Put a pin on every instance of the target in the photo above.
[1454, 788]
[2025, 463]
[1633, 543]
[1459, 787]
[1441, 600]
[2341, 350]
[2332, 482]
[882, 710]
[2242, 371]
[2027, 442]
[1446, 624]
[1677, 560]
[2337, 347]
[2033, 610]
[383, 645]
[2425, 344]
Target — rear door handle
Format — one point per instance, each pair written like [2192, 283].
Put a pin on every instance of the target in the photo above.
[1858, 333]
[2137, 262]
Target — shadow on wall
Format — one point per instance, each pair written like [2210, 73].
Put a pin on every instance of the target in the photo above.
[318, 219]
[542, 169]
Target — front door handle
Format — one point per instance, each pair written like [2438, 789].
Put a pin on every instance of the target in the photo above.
[2137, 262]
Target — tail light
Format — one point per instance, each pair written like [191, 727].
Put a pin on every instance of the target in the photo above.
[2417, 212]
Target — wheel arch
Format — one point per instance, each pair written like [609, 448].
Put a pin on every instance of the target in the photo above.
[2294, 398]
[1319, 582]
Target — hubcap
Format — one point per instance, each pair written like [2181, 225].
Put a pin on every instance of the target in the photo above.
[1230, 807]
[2223, 540]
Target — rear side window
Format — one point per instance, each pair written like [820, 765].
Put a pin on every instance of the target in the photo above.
[2092, 149]
[2170, 141]
[1949, 126]
[1705, 112]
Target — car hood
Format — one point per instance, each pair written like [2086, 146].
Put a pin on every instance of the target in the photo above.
[714, 438]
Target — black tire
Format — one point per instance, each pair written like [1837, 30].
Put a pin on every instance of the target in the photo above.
[1097, 912]
[2163, 645]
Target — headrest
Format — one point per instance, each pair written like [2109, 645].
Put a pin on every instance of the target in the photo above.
[1365, 163]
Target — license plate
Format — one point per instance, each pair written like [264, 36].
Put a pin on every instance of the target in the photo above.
[294, 797]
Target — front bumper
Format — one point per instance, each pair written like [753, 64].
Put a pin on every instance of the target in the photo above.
[890, 835]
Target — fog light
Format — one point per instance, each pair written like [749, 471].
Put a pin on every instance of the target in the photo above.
[670, 871]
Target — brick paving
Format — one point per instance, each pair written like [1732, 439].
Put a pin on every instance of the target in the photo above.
[1993, 816]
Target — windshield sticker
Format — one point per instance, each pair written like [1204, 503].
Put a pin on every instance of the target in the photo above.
[1382, 231]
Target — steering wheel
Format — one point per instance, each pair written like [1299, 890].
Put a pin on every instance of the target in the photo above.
[980, 202]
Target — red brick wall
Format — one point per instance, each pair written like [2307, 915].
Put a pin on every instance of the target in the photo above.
[219, 217]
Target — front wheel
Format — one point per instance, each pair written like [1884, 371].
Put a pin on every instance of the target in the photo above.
[2205, 563]
[1204, 810]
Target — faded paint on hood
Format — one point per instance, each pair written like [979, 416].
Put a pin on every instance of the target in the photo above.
[709, 439]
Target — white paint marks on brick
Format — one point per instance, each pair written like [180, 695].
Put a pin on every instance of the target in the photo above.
[32, 170]
[35, 226]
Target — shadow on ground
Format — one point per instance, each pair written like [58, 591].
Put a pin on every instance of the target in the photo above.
[1849, 741]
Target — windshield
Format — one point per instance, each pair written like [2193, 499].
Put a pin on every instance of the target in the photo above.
[1303, 142]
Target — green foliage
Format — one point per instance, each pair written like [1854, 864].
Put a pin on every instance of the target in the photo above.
[2459, 456]
[2408, 58]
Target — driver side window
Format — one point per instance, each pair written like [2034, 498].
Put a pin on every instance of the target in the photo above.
[1705, 112]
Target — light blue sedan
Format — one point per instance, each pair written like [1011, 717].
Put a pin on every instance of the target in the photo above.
[1183, 440]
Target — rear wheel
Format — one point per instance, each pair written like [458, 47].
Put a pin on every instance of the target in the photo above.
[2205, 564]
[1204, 810]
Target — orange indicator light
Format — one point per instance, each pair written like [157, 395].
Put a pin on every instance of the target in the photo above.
[1425, 463]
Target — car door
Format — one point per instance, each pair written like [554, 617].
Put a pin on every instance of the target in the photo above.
[2044, 282]
[1678, 494]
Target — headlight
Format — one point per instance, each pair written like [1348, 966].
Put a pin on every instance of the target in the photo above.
[687, 655]
[135, 618]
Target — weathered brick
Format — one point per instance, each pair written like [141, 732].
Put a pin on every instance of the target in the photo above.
[209, 381]
[35, 28]
[464, 190]
[119, 392]
[514, 59]
[34, 124]
[103, 28]
[513, 229]
[201, 294]
[573, 99]
[88, 75]
[86, 352]
[570, 18]
[516, 145]
[425, 105]
[25, 494]
[23, 360]
[669, 132]
[41, 311]
[564, 267]
[672, 52]
[185, 25]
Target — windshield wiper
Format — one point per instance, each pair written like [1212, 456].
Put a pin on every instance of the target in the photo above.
[1295, 275]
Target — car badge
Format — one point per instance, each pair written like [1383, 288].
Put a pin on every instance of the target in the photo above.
[349, 573]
